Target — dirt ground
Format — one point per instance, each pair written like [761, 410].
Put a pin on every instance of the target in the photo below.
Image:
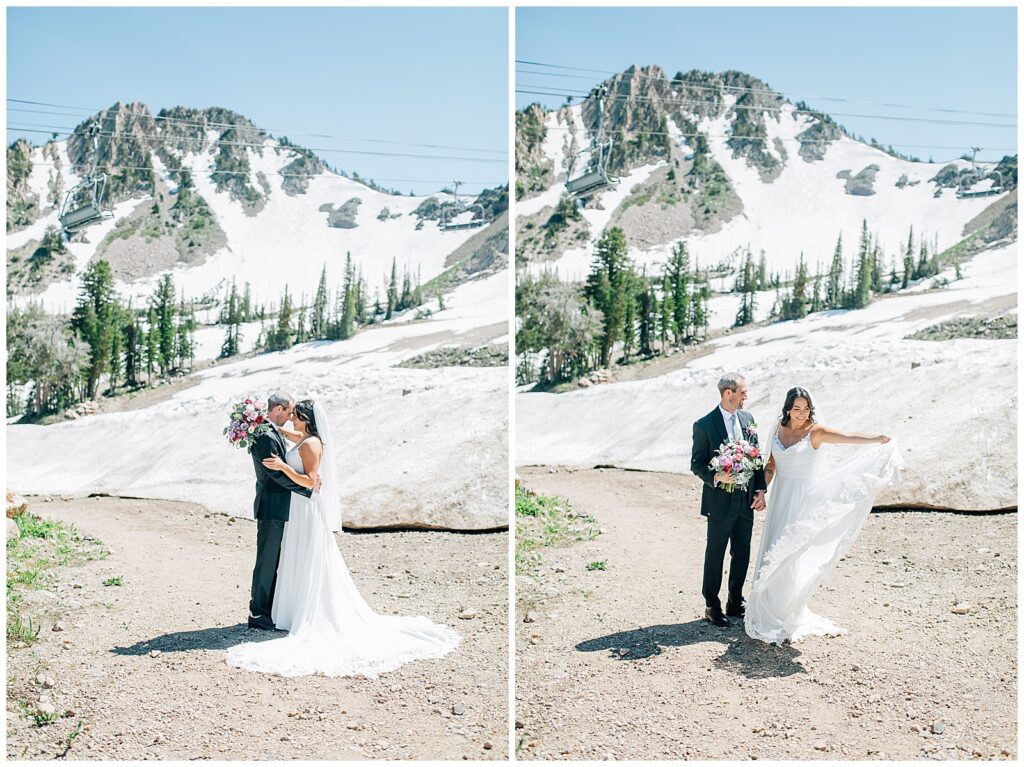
[618, 663]
[141, 665]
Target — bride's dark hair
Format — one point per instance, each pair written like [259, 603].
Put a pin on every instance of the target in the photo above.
[304, 410]
[797, 392]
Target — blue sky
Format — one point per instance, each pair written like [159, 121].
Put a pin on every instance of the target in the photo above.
[420, 75]
[952, 58]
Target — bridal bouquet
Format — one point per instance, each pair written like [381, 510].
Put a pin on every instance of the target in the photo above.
[738, 459]
[246, 421]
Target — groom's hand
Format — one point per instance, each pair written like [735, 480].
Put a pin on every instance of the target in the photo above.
[758, 504]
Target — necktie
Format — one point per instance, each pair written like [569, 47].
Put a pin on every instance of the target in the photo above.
[736, 427]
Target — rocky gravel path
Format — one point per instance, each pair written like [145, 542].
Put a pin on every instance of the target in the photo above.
[618, 664]
[141, 665]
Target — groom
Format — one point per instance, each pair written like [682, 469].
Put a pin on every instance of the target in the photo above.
[730, 515]
[271, 506]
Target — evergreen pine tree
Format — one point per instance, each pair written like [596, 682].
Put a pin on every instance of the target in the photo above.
[677, 272]
[392, 290]
[117, 318]
[300, 323]
[796, 307]
[229, 348]
[132, 348]
[284, 334]
[348, 307]
[908, 260]
[933, 263]
[361, 296]
[94, 320]
[183, 344]
[405, 300]
[921, 270]
[666, 315]
[702, 311]
[163, 301]
[746, 285]
[816, 303]
[607, 287]
[834, 293]
[861, 294]
[318, 317]
[152, 342]
[629, 321]
[877, 280]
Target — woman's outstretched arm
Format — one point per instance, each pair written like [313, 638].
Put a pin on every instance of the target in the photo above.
[820, 434]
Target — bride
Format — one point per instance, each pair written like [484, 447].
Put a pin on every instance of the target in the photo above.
[814, 515]
[331, 629]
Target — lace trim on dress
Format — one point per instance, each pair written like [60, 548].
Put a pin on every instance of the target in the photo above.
[784, 447]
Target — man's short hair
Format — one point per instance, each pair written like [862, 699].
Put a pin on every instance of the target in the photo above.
[284, 399]
[729, 381]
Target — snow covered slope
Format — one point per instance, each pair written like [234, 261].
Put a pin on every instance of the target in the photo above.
[420, 447]
[952, 405]
[286, 238]
[802, 209]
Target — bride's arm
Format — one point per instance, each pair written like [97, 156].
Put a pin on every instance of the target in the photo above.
[309, 451]
[820, 434]
[290, 434]
[769, 471]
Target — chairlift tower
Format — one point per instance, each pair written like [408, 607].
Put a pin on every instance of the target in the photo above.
[974, 176]
[447, 225]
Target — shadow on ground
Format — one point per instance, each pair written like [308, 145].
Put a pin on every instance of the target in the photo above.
[742, 655]
[214, 638]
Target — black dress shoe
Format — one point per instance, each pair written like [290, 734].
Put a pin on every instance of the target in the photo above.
[713, 615]
[735, 612]
[260, 625]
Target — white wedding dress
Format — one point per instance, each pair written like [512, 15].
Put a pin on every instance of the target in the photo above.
[813, 517]
[331, 629]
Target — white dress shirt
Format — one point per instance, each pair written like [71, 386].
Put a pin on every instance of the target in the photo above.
[736, 432]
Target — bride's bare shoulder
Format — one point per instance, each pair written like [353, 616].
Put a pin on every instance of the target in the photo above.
[312, 445]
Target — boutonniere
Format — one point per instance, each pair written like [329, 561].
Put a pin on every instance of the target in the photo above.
[751, 430]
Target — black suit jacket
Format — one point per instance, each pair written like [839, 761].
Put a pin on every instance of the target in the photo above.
[273, 488]
[708, 435]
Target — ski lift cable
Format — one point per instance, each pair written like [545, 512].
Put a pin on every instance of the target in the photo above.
[787, 140]
[70, 131]
[813, 113]
[208, 171]
[729, 88]
[217, 142]
[184, 122]
[763, 90]
[578, 93]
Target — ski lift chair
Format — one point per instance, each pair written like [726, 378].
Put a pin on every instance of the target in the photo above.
[72, 218]
[74, 215]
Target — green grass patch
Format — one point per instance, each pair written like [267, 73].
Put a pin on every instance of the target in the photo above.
[640, 198]
[117, 580]
[42, 545]
[21, 629]
[601, 564]
[545, 522]
[122, 231]
[31, 526]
